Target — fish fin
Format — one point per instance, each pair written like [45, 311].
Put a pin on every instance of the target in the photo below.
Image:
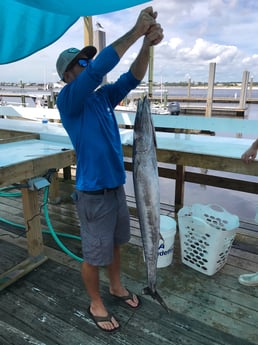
[155, 295]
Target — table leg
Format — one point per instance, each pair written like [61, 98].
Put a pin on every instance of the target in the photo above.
[32, 221]
[36, 255]
[179, 192]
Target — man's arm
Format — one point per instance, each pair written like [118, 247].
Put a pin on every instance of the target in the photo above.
[140, 64]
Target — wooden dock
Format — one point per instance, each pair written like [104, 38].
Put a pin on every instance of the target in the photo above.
[48, 306]
[223, 111]
[189, 105]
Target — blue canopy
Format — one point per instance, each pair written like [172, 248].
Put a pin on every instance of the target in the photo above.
[30, 25]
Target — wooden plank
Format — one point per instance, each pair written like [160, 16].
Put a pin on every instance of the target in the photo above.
[35, 167]
[206, 179]
[32, 221]
[222, 182]
[206, 161]
[230, 112]
[7, 136]
[40, 324]
[16, 272]
[251, 257]
[209, 101]
[11, 335]
[54, 191]
[19, 138]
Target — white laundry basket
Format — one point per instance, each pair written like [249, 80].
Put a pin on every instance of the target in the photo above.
[206, 235]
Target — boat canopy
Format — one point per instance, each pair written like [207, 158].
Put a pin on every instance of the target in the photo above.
[28, 26]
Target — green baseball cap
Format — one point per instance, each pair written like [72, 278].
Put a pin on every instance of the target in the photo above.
[68, 55]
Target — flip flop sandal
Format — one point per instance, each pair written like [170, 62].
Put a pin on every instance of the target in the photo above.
[99, 319]
[128, 297]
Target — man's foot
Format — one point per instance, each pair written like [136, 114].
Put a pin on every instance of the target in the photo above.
[129, 299]
[249, 279]
[106, 323]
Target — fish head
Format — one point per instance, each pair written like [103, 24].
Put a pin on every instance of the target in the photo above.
[144, 132]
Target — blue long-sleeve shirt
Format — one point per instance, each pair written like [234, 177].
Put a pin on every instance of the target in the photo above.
[87, 114]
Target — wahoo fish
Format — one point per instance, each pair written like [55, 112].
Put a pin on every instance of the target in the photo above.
[147, 192]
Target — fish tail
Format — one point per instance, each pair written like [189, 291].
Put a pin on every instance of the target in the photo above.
[155, 295]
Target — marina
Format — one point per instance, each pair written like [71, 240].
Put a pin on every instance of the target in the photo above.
[209, 100]
[39, 279]
[194, 179]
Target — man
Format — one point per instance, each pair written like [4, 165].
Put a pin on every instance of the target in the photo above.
[248, 156]
[87, 114]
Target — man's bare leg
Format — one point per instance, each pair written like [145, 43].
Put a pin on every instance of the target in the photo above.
[116, 288]
[90, 277]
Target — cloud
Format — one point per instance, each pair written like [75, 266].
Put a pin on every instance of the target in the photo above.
[196, 33]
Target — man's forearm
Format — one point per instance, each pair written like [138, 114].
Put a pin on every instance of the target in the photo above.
[140, 64]
[153, 33]
[122, 44]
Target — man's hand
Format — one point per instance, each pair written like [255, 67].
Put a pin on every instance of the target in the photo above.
[249, 155]
[146, 19]
[154, 35]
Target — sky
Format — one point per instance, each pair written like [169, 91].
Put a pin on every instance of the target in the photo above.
[196, 34]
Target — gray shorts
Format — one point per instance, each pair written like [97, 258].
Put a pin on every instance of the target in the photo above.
[105, 222]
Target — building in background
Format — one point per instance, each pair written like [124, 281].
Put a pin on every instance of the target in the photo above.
[99, 41]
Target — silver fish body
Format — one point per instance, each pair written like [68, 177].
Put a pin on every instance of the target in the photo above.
[147, 191]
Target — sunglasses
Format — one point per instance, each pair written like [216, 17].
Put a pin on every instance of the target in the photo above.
[81, 62]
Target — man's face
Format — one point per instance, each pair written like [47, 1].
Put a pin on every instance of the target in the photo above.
[75, 68]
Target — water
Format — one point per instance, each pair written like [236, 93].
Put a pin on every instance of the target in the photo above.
[239, 203]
